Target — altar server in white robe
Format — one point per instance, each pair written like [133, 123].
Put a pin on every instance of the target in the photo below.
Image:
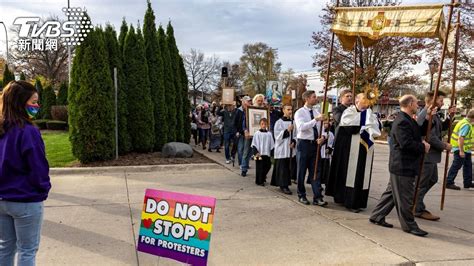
[262, 145]
[326, 151]
[284, 168]
[349, 180]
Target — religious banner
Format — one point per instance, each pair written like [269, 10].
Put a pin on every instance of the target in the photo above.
[228, 96]
[176, 226]
[371, 24]
[286, 99]
[274, 92]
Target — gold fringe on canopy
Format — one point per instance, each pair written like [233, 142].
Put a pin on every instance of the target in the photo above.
[371, 24]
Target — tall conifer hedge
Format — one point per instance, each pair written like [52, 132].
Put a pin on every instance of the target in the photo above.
[155, 73]
[170, 91]
[140, 120]
[115, 61]
[91, 111]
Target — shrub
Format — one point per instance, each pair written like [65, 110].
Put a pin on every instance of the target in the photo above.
[49, 99]
[59, 112]
[56, 125]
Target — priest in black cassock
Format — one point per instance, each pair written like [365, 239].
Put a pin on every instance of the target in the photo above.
[284, 168]
[351, 170]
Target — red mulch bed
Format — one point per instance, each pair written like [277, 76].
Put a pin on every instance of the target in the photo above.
[147, 159]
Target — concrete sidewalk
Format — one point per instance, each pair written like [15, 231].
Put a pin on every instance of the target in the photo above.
[93, 219]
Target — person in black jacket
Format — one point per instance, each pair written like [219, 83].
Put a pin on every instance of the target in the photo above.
[345, 98]
[404, 167]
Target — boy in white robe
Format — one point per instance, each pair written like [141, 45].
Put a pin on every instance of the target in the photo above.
[284, 168]
[262, 145]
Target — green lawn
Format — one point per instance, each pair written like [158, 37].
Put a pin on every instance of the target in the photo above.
[58, 149]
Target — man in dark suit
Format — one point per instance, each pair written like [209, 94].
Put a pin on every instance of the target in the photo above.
[404, 166]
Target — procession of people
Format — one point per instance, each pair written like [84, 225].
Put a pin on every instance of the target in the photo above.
[286, 153]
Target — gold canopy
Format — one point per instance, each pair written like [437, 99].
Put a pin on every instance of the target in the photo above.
[371, 24]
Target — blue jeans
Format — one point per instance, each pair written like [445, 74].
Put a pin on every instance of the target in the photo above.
[244, 153]
[20, 231]
[306, 158]
[228, 138]
[466, 165]
[204, 135]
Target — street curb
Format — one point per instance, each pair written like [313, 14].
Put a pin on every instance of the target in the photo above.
[134, 169]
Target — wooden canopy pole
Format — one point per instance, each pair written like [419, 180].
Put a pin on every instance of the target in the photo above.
[435, 96]
[354, 77]
[453, 98]
[326, 86]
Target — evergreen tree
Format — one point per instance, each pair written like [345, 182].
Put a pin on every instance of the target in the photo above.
[115, 60]
[123, 34]
[140, 106]
[62, 94]
[7, 76]
[170, 90]
[91, 110]
[176, 79]
[22, 76]
[155, 73]
[48, 101]
[186, 102]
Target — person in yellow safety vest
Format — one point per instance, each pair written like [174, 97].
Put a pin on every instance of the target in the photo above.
[461, 140]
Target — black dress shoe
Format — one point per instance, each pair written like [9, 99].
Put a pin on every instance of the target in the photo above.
[304, 200]
[453, 186]
[469, 185]
[417, 232]
[381, 223]
[286, 191]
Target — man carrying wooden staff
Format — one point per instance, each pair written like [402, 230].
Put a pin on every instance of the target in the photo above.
[429, 176]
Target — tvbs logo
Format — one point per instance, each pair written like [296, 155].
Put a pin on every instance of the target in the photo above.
[35, 35]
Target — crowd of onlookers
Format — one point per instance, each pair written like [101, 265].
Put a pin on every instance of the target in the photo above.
[218, 126]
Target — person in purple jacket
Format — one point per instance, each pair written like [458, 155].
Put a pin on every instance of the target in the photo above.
[24, 175]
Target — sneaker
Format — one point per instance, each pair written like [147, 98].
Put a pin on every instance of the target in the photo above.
[303, 200]
[453, 186]
[227, 162]
[320, 202]
[244, 173]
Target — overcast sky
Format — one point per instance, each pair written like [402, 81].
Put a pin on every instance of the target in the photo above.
[216, 27]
